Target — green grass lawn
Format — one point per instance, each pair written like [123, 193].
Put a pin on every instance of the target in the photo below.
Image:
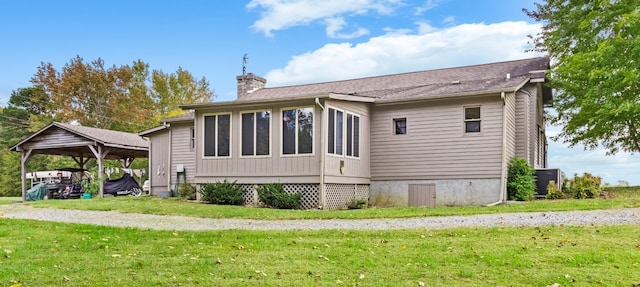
[621, 198]
[9, 200]
[38, 253]
[35, 253]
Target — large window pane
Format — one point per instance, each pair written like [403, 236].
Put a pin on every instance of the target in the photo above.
[263, 120]
[224, 131]
[331, 142]
[356, 136]
[209, 135]
[349, 135]
[289, 131]
[339, 127]
[305, 130]
[247, 133]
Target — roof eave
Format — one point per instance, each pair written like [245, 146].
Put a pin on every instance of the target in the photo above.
[253, 102]
[15, 147]
[155, 129]
[448, 96]
[351, 98]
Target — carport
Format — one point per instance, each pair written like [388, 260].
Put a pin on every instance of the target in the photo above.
[81, 143]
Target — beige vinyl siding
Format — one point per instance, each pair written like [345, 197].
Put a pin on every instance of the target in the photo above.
[510, 118]
[523, 116]
[435, 146]
[181, 152]
[356, 170]
[535, 118]
[540, 147]
[246, 169]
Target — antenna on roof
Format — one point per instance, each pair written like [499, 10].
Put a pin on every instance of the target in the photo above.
[244, 64]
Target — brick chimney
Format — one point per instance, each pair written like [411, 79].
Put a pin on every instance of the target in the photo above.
[249, 83]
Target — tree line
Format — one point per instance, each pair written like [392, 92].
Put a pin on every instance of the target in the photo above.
[127, 98]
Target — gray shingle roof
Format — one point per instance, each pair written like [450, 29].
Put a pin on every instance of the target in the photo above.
[106, 137]
[187, 116]
[424, 84]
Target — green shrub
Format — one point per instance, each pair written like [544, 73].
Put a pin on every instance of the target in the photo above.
[357, 203]
[226, 193]
[585, 186]
[273, 195]
[553, 192]
[91, 184]
[187, 190]
[521, 182]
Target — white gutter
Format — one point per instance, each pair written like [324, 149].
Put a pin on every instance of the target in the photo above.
[321, 153]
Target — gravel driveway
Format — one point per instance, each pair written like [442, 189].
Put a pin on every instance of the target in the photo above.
[171, 222]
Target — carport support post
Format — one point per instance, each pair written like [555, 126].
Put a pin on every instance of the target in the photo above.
[26, 155]
[100, 155]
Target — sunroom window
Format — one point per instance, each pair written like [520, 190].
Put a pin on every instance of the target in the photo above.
[217, 131]
[256, 130]
[297, 131]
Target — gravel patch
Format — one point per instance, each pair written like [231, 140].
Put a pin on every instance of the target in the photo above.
[171, 222]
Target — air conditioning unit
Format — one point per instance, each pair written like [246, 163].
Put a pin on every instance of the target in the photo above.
[544, 176]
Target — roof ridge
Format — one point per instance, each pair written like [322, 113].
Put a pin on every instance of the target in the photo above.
[406, 73]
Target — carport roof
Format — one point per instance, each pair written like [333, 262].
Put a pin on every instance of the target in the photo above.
[73, 140]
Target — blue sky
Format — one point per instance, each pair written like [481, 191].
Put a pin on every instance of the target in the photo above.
[287, 42]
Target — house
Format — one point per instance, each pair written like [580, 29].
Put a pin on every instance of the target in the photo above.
[429, 138]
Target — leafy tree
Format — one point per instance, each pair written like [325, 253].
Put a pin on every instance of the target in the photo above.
[595, 49]
[171, 90]
[25, 105]
[123, 98]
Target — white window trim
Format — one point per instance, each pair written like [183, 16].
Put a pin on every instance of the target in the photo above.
[464, 121]
[255, 142]
[344, 121]
[352, 138]
[216, 136]
[345, 114]
[313, 132]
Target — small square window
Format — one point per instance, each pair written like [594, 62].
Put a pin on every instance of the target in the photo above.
[400, 126]
[472, 119]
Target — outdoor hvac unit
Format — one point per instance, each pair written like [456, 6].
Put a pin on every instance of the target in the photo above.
[544, 176]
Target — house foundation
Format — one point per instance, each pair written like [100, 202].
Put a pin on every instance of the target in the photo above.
[450, 192]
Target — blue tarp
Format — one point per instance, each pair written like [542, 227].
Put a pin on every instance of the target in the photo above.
[37, 192]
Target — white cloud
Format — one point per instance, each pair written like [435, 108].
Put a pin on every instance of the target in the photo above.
[283, 14]
[335, 25]
[403, 51]
[449, 20]
[428, 5]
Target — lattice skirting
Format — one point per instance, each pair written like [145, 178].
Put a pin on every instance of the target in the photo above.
[337, 196]
[308, 200]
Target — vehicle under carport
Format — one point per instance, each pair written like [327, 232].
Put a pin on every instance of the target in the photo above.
[81, 143]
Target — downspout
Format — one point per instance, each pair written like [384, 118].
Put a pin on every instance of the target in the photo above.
[321, 153]
[503, 173]
[503, 179]
[169, 163]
